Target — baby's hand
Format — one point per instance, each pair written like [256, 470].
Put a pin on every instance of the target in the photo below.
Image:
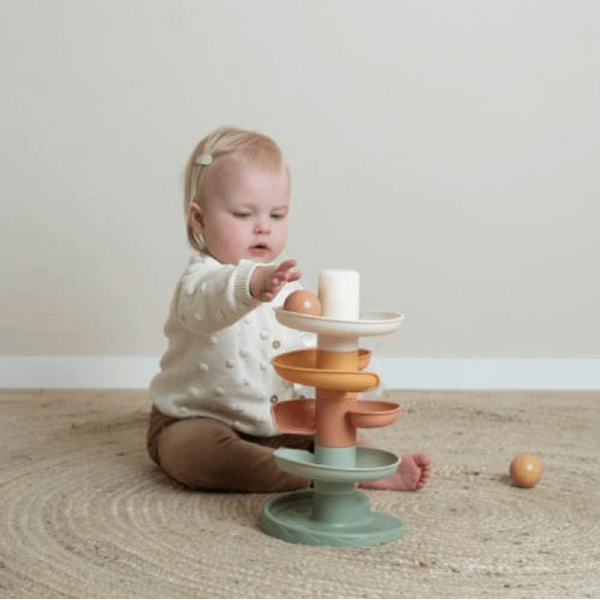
[266, 282]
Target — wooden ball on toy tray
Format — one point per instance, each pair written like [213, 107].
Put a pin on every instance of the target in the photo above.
[303, 302]
[526, 470]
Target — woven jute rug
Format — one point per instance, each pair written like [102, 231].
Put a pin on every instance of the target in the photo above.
[85, 514]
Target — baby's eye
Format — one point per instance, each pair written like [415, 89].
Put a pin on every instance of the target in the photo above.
[277, 216]
[241, 215]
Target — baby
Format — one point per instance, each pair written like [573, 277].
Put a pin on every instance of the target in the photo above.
[210, 427]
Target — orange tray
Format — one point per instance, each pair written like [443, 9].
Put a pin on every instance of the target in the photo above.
[295, 416]
[299, 416]
[374, 413]
[300, 366]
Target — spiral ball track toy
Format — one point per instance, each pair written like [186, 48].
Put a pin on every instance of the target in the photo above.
[333, 512]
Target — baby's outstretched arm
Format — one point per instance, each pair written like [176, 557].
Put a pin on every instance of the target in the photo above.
[266, 282]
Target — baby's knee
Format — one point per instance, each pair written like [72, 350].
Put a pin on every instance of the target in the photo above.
[190, 451]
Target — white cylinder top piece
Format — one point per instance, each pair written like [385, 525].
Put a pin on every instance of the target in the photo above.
[339, 293]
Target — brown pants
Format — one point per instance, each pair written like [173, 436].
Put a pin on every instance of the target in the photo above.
[207, 455]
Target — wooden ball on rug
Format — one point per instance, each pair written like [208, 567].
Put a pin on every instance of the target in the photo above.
[303, 302]
[526, 470]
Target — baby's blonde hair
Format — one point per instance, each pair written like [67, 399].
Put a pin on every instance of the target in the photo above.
[256, 148]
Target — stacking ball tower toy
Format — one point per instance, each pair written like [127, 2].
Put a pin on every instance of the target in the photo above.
[333, 512]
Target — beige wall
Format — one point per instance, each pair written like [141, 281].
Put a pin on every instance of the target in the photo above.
[449, 151]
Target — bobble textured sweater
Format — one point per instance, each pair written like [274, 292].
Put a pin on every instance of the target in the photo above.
[221, 342]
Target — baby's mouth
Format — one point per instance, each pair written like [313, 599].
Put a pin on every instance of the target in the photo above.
[260, 251]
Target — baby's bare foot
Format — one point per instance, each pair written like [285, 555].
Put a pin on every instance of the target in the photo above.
[414, 471]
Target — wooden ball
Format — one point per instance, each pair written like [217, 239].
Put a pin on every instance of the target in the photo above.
[303, 302]
[526, 470]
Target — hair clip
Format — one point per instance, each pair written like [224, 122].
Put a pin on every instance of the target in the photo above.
[204, 160]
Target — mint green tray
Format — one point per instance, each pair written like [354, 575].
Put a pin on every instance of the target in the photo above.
[371, 464]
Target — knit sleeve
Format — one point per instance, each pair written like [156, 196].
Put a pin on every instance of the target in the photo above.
[212, 296]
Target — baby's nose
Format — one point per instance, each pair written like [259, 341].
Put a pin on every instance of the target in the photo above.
[262, 225]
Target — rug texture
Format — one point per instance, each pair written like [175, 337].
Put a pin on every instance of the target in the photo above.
[85, 514]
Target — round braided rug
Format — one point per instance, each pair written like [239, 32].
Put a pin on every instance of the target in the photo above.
[84, 513]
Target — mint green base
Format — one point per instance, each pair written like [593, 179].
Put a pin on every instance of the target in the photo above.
[330, 515]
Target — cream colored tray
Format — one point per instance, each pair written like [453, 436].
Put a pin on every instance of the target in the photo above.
[375, 322]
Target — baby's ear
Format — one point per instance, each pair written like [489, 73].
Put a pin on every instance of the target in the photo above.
[195, 216]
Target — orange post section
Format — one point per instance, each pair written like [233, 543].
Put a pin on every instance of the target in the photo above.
[334, 428]
[339, 361]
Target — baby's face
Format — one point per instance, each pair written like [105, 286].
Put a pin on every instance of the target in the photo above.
[245, 211]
